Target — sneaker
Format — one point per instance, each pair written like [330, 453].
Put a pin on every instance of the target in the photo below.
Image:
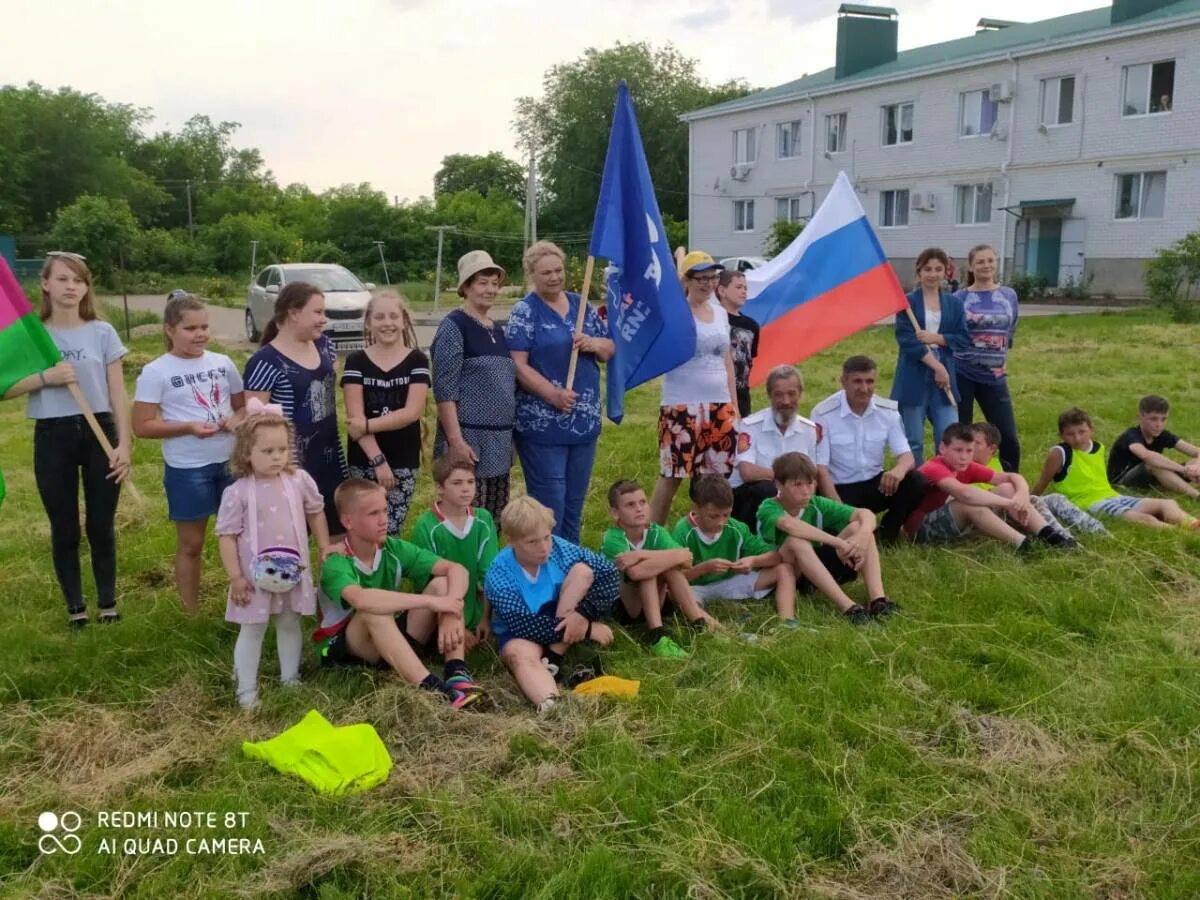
[667, 649]
[78, 621]
[856, 615]
[550, 667]
[698, 625]
[108, 616]
[463, 699]
[584, 672]
[881, 607]
[546, 705]
[790, 624]
[249, 701]
[464, 685]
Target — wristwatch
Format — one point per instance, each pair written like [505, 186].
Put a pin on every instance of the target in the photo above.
[376, 461]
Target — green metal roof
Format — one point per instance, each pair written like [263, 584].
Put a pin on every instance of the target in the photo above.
[1018, 37]
[858, 9]
[1041, 204]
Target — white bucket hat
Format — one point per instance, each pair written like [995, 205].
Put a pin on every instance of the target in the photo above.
[474, 262]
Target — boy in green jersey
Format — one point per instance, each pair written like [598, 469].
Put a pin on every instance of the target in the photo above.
[366, 619]
[455, 531]
[1076, 469]
[728, 561]
[797, 519]
[651, 563]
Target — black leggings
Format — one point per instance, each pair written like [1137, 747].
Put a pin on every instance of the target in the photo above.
[62, 448]
[996, 405]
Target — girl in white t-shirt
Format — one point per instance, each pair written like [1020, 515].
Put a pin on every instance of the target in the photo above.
[697, 421]
[190, 398]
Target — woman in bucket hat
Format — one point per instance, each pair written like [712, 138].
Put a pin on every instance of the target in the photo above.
[474, 382]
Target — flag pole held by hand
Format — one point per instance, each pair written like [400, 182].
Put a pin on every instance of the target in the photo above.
[583, 299]
[105, 445]
[917, 327]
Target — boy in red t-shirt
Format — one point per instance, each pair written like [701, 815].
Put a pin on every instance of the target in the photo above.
[953, 507]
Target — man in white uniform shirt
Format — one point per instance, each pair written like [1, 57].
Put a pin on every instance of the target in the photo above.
[856, 427]
[765, 435]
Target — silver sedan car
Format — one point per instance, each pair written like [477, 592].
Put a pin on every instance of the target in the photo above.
[345, 299]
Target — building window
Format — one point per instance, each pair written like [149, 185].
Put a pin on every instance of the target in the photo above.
[1148, 88]
[1058, 101]
[744, 149]
[787, 208]
[978, 114]
[893, 209]
[1141, 195]
[743, 215]
[835, 133]
[973, 204]
[897, 124]
[787, 139]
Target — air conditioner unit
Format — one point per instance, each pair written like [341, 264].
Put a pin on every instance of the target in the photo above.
[924, 200]
[1001, 91]
[739, 171]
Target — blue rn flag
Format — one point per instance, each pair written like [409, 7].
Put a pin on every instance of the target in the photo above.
[648, 316]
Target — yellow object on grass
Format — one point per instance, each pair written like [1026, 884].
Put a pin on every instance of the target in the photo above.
[610, 686]
[334, 760]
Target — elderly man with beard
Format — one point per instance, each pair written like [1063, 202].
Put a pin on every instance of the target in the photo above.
[856, 428]
[766, 435]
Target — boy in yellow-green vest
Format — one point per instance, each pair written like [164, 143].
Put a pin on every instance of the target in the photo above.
[1076, 468]
[1056, 509]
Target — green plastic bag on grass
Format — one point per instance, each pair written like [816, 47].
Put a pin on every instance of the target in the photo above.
[334, 760]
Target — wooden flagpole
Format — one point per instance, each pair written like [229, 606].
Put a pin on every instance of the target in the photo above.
[916, 327]
[583, 299]
[105, 445]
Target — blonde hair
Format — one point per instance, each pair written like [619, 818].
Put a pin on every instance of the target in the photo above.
[174, 311]
[408, 331]
[524, 517]
[244, 437]
[87, 305]
[347, 494]
[537, 252]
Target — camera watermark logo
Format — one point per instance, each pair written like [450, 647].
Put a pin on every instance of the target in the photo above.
[52, 825]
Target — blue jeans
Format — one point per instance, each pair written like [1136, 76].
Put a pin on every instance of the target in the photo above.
[935, 407]
[557, 476]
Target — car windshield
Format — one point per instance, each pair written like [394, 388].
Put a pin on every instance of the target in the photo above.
[327, 280]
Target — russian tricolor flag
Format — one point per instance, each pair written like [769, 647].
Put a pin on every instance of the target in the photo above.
[831, 282]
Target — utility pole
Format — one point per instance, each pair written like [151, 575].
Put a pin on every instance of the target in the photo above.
[531, 202]
[379, 244]
[437, 278]
[253, 257]
[191, 226]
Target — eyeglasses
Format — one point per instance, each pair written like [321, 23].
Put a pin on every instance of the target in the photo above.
[67, 254]
[706, 279]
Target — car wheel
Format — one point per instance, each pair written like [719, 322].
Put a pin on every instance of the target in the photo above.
[252, 332]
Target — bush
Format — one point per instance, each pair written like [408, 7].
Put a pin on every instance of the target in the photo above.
[781, 234]
[1027, 286]
[1173, 278]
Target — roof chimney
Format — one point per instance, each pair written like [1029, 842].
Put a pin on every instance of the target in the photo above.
[1123, 10]
[866, 38]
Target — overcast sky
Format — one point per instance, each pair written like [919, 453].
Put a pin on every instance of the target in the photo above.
[381, 90]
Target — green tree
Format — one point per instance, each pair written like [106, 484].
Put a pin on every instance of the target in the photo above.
[227, 242]
[1173, 278]
[485, 175]
[781, 234]
[568, 126]
[100, 228]
[492, 223]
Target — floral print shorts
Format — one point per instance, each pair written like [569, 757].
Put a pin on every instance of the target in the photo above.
[697, 439]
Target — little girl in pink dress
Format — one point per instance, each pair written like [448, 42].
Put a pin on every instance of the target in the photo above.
[264, 545]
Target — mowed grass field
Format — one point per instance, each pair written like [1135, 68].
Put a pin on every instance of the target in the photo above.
[1025, 729]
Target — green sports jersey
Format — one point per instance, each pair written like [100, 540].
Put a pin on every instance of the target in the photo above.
[734, 542]
[615, 541]
[395, 562]
[828, 515]
[473, 549]
[994, 465]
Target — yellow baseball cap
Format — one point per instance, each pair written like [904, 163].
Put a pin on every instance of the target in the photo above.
[697, 261]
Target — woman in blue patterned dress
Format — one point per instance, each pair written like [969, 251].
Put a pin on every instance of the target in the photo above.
[474, 383]
[295, 367]
[556, 428]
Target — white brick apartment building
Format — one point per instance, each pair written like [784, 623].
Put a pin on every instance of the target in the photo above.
[1072, 144]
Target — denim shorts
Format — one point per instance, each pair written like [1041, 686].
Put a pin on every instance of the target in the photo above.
[194, 494]
[1114, 506]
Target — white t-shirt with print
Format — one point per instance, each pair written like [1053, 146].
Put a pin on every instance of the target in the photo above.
[194, 389]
